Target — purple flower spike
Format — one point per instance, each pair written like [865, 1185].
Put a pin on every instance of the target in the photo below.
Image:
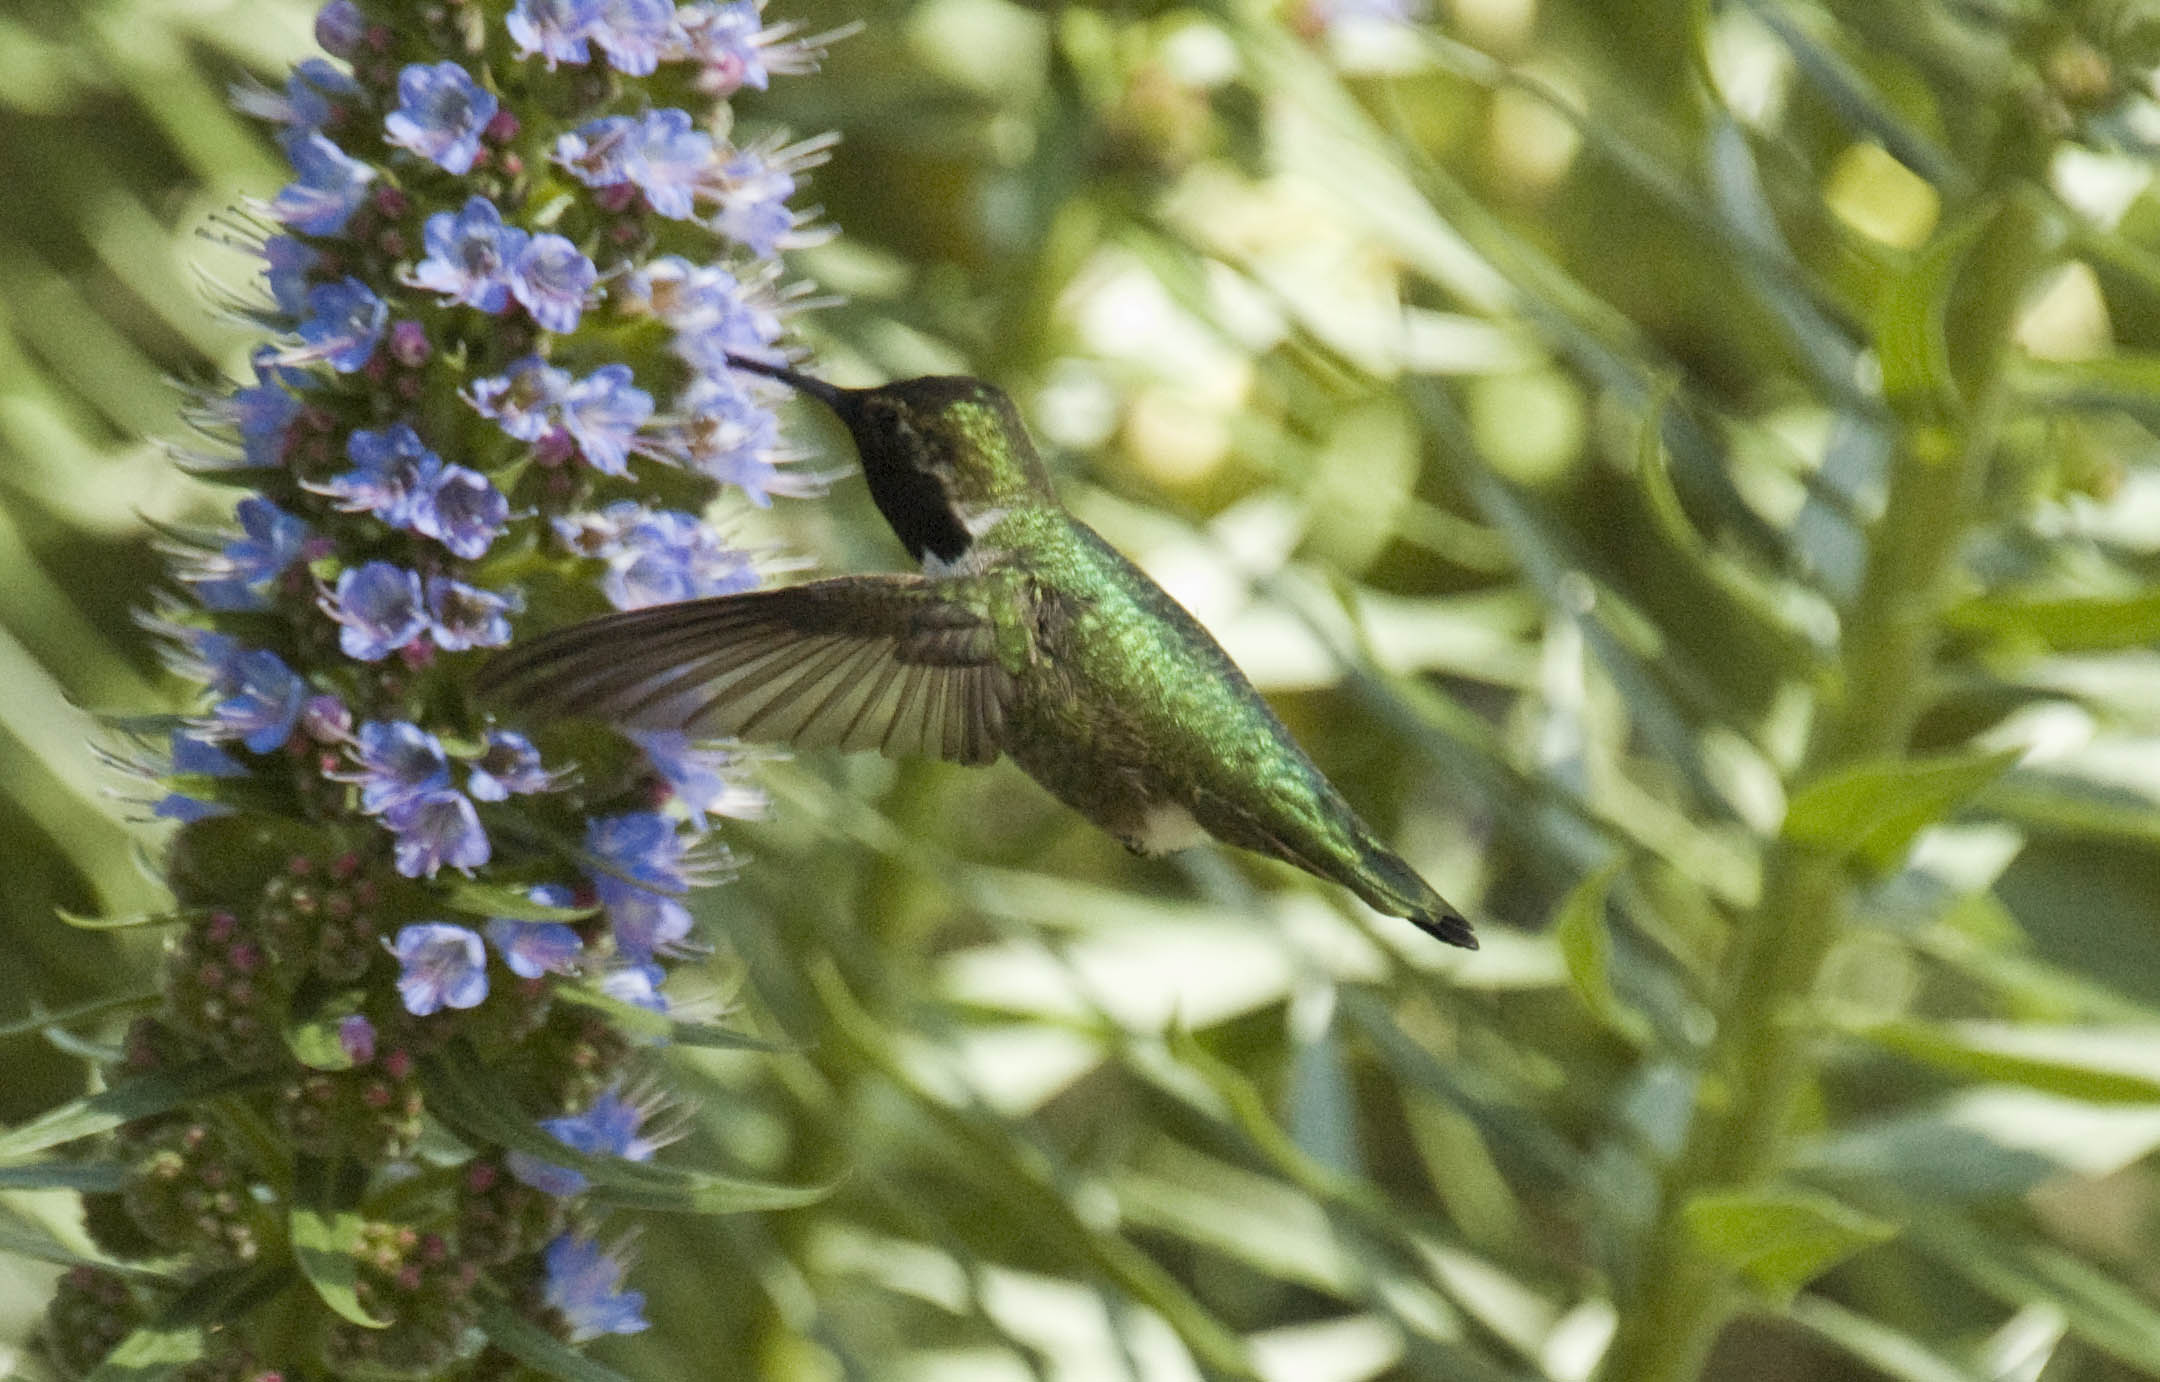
[463, 511]
[381, 609]
[632, 32]
[523, 399]
[469, 254]
[441, 112]
[434, 829]
[309, 100]
[329, 189]
[262, 704]
[729, 436]
[345, 321]
[584, 1284]
[657, 557]
[672, 161]
[399, 763]
[463, 616]
[534, 948]
[603, 412]
[551, 278]
[555, 29]
[262, 413]
[510, 765]
[439, 966]
[393, 473]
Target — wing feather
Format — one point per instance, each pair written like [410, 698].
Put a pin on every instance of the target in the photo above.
[897, 663]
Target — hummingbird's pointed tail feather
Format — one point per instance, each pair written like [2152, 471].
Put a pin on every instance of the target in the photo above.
[1392, 886]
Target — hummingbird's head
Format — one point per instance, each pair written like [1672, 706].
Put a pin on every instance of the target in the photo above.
[945, 455]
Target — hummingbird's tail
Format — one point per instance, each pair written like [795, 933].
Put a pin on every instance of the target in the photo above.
[1389, 885]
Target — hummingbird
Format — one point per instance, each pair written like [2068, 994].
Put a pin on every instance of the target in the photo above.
[1026, 635]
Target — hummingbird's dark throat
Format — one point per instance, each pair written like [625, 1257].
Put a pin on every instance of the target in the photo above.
[909, 495]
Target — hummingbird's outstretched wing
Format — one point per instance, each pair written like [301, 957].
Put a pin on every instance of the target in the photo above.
[891, 663]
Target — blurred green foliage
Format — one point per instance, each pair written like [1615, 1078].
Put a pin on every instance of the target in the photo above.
[1687, 468]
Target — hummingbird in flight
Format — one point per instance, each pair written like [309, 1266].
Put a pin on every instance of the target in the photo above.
[1026, 635]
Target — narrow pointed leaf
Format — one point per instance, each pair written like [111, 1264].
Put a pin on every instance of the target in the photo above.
[137, 1097]
[462, 1093]
[1782, 1238]
[1873, 810]
[645, 1024]
[501, 900]
[122, 923]
[1586, 945]
[536, 1348]
[84, 1177]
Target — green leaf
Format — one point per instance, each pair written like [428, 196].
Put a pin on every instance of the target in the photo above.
[1586, 946]
[1891, 1352]
[84, 1177]
[315, 1042]
[462, 1093]
[536, 1348]
[2097, 1064]
[1781, 1238]
[39, 1021]
[326, 1228]
[1911, 337]
[175, 1338]
[2089, 623]
[1873, 810]
[645, 1024]
[503, 900]
[20, 1237]
[138, 1097]
[125, 923]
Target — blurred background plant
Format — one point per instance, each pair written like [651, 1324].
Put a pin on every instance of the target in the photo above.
[1687, 469]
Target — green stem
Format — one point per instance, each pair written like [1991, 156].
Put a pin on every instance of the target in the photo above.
[1763, 1054]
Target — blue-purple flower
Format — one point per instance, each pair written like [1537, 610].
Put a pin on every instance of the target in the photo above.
[462, 510]
[462, 616]
[286, 266]
[723, 39]
[262, 701]
[356, 1038]
[399, 762]
[754, 211]
[441, 114]
[522, 399]
[731, 437]
[534, 948]
[584, 1285]
[469, 254]
[602, 412]
[345, 320]
[381, 608]
[611, 1127]
[657, 556]
[238, 577]
[555, 29]
[670, 162]
[439, 966]
[598, 153]
[551, 278]
[707, 308]
[434, 829]
[195, 756]
[632, 33]
[508, 765]
[636, 984]
[328, 189]
[697, 773]
[309, 100]
[644, 860]
[392, 471]
[339, 27]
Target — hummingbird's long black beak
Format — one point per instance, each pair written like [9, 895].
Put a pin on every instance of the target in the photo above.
[827, 394]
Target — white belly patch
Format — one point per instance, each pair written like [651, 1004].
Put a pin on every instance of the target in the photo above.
[1167, 828]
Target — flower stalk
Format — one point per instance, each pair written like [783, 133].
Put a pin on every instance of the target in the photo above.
[519, 245]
